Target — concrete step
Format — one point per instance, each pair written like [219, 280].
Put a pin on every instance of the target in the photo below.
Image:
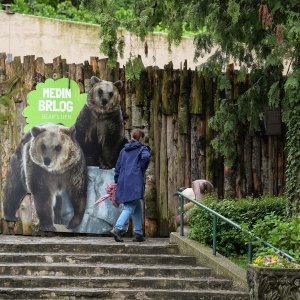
[101, 270]
[115, 282]
[96, 245]
[120, 294]
[50, 257]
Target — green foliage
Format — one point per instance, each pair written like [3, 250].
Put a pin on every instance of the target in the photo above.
[225, 142]
[65, 10]
[244, 212]
[134, 67]
[281, 233]
[5, 103]
[274, 95]
[257, 36]
[233, 10]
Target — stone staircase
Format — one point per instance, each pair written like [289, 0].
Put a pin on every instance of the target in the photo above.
[99, 268]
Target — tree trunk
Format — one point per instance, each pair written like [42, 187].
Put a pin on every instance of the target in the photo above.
[256, 158]
[272, 165]
[280, 166]
[248, 165]
[264, 165]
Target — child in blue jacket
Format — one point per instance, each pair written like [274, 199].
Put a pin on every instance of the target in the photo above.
[130, 170]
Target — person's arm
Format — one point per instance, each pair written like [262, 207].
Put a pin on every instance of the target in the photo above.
[117, 168]
[145, 158]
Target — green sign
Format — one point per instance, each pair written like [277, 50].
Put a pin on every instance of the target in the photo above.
[57, 101]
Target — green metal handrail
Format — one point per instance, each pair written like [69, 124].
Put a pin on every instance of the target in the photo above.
[215, 220]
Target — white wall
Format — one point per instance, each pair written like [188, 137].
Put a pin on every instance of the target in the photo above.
[48, 38]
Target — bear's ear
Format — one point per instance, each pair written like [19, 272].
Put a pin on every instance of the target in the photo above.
[35, 131]
[95, 80]
[70, 131]
[119, 85]
[73, 133]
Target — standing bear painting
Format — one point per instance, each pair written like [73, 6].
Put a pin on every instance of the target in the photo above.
[47, 163]
[99, 126]
[66, 156]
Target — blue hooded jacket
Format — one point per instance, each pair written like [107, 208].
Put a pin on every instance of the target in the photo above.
[130, 170]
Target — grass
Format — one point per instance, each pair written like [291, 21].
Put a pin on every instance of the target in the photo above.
[241, 261]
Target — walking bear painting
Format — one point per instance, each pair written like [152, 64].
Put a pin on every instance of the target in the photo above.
[47, 163]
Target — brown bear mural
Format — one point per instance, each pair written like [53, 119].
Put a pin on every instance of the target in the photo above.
[99, 126]
[47, 163]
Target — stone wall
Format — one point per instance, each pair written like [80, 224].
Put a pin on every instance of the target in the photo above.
[43, 37]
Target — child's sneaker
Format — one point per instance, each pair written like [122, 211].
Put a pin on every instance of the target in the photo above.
[116, 233]
[138, 238]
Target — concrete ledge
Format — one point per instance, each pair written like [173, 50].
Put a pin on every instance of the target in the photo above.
[219, 264]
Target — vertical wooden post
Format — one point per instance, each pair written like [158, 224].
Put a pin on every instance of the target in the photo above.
[48, 71]
[72, 71]
[272, 165]
[137, 106]
[163, 180]
[57, 68]
[197, 126]
[172, 186]
[156, 121]
[87, 74]
[183, 126]
[256, 170]
[64, 68]
[94, 63]
[167, 89]
[103, 69]
[79, 77]
[209, 104]
[280, 165]
[2, 140]
[264, 165]
[248, 164]
[150, 198]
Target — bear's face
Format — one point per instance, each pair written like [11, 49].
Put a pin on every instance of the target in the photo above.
[104, 96]
[53, 148]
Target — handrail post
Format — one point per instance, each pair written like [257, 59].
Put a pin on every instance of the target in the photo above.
[214, 235]
[250, 252]
[181, 217]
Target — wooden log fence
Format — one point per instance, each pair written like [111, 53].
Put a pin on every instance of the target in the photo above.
[173, 106]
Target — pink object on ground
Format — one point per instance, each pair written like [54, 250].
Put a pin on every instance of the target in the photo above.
[111, 193]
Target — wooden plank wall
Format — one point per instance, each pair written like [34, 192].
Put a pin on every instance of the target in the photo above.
[173, 106]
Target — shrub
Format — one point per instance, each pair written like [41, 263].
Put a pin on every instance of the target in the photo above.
[245, 212]
[281, 233]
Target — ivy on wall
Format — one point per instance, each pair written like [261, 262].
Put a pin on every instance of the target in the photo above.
[291, 118]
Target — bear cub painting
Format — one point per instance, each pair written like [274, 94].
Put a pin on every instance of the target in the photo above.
[47, 163]
[99, 126]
